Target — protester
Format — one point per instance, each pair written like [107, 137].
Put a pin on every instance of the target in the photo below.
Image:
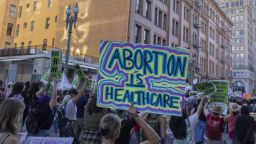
[214, 124]
[71, 111]
[200, 129]
[11, 112]
[40, 120]
[79, 125]
[110, 126]
[234, 111]
[245, 128]
[25, 95]
[183, 128]
[92, 117]
[33, 94]
[17, 91]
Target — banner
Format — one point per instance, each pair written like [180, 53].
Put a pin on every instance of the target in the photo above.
[152, 77]
[79, 72]
[48, 140]
[64, 83]
[56, 63]
[45, 77]
[75, 82]
[221, 95]
[206, 88]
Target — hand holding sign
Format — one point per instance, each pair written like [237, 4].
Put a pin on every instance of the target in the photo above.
[132, 111]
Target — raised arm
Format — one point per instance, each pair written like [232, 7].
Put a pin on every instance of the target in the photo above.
[53, 100]
[80, 91]
[200, 107]
[206, 112]
[150, 134]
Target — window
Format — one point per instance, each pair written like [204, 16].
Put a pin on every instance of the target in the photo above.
[53, 40]
[12, 11]
[146, 36]
[27, 6]
[164, 42]
[17, 29]
[148, 9]
[7, 45]
[175, 28]
[22, 45]
[20, 11]
[154, 42]
[176, 6]
[241, 17]
[185, 34]
[156, 14]
[137, 34]
[35, 6]
[165, 22]
[15, 45]
[29, 44]
[139, 6]
[56, 18]
[45, 44]
[32, 25]
[159, 41]
[9, 29]
[47, 23]
[49, 3]
[25, 25]
[160, 19]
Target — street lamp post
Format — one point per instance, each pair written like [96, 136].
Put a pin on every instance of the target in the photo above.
[70, 20]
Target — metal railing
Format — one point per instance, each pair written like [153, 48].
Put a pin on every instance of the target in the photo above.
[40, 49]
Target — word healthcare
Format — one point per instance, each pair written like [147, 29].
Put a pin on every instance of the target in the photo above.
[152, 77]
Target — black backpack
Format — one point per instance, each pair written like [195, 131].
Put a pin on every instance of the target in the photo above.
[32, 121]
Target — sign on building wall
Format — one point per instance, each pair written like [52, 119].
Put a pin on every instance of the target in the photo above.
[56, 63]
[152, 77]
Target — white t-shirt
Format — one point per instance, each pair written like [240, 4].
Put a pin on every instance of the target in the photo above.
[71, 110]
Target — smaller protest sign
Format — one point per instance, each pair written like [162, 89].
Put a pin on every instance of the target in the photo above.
[79, 72]
[221, 95]
[48, 140]
[45, 77]
[75, 82]
[206, 88]
[56, 63]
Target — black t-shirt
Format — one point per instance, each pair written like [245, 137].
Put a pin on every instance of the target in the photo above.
[126, 126]
[45, 116]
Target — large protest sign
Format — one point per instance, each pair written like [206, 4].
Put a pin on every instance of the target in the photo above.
[221, 95]
[56, 63]
[152, 77]
[48, 140]
[206, 88]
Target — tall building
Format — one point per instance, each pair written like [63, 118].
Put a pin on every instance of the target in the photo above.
[243, 48]
[198, 25]
[8, 13]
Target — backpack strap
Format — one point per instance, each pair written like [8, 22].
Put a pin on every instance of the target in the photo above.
[3, 138]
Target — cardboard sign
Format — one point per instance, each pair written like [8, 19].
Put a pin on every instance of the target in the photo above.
[206, 88]
[45, 77]
[79, 72]
[48, 140]
[221, 95]
[152, 77]
[56, 63]
[75, 82]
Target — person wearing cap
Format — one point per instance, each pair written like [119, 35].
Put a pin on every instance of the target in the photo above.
[214, 124]
[71, 111]
[234, 110]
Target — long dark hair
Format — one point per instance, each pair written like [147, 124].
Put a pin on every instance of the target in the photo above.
[244, 129]
[92, 105]
[17, 89]
[178, 127]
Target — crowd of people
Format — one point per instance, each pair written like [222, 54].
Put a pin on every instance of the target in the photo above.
[74, 113]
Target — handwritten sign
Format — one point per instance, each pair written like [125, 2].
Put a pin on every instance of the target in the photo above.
[152, 77]
[48, 140]
[56, 63]
[79, 72]
[206, 88]
[221, 95]
[45, 77]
